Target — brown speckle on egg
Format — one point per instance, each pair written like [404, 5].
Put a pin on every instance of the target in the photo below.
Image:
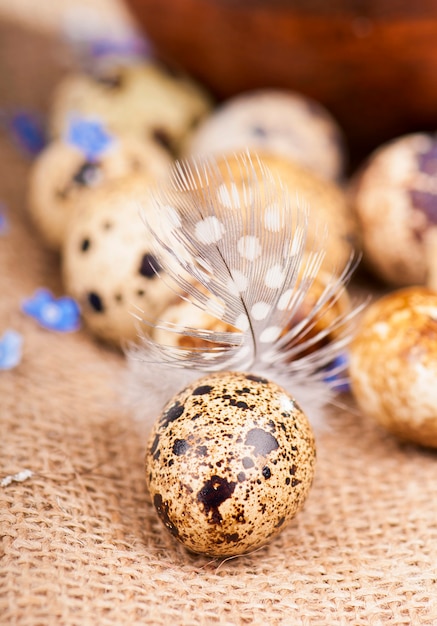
[219, 473]
[95, 302]
[85, 244]
[149, 266]
[162, 138]
[88, 174]
[111, 81]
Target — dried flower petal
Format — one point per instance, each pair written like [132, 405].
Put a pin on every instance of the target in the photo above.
[132, 45]
[10, 349]
[90, 136]
[29, 132]
[337, 375]
[59, 314]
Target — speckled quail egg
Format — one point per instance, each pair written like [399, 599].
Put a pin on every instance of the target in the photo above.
[229, 462]
[147, 99]
[277, 121]
[319, 320]
[393, 364]
[107, 263]
[394, 195]
[62, 175]
[323, 323]
[182, 313]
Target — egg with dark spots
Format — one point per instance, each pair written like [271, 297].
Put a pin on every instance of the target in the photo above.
[108, 265]
[254, 471]
[394, 197]
[62, 176]
[139, 98]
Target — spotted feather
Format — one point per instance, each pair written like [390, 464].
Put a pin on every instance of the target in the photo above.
[242, 254]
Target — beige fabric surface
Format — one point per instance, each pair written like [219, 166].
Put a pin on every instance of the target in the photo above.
[80, 541]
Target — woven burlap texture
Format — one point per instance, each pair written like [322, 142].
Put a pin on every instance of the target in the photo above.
[81, 543]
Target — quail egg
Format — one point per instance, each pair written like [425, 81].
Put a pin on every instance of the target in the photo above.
[62, 175]
[393, 364]
[147, 99]
[318, 320]
[394, 196]
[229, 462]
[108, 264]
[279, 121]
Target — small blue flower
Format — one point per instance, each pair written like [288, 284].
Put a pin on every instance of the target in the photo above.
[60, 314]
[337, 374]
[10, 349]
[29, 132]
[90, 136]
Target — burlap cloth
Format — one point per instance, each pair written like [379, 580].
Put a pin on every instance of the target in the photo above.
[81, 543]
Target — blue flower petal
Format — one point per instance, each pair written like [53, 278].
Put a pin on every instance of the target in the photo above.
[131, 46]
[59, 314]
[90, 136]
[10, 349]
[337, 374]
[32, 306]
[29, 132]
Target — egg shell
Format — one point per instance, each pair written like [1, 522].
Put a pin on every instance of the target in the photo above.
[394, 196]
[322, 324]
[107, 264]
[229, 462]
[146, 99]
[62, 175]
[185, 314]
[279, 121]
[393, 364]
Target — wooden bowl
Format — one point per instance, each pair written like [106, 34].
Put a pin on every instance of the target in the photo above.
[372, 63]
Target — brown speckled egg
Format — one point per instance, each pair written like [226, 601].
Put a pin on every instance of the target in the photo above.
[322, 328]
[147, 99]
[323, 321]
[393, 364]
[62, 175]
[229, 462]
[273, 120]
[394, 196]
[183, 313]
[107, 262]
